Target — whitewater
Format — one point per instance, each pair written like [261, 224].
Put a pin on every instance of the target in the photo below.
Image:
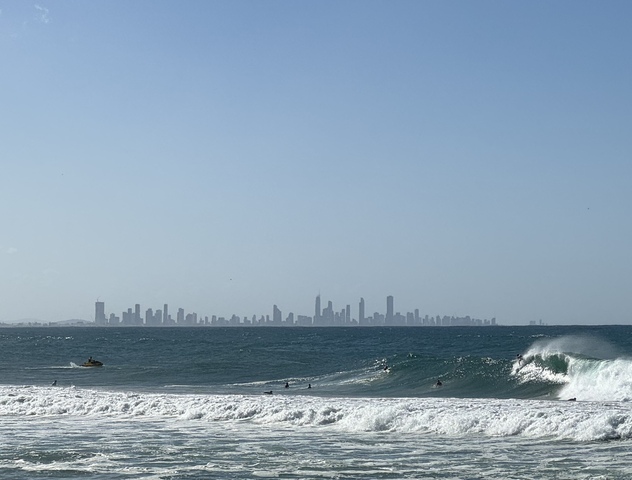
[360, 403]
[445, 416]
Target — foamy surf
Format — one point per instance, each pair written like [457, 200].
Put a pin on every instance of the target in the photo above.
[578, 421]
[574, 363]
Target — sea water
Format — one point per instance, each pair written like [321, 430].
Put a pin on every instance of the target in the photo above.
[194, 403]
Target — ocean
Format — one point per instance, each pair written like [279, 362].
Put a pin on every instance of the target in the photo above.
[195, 403]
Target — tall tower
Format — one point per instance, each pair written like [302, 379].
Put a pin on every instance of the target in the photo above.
[138, 320]
[165, 314]
[317, 310]
[361, 312]
[389, 310]
[276, 315]
[99, 313]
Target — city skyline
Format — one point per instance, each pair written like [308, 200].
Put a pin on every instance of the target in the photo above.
[323, 317]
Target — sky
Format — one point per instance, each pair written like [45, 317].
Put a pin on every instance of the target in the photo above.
[467, 158]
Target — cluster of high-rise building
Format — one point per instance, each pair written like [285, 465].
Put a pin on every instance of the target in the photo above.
[323, 317]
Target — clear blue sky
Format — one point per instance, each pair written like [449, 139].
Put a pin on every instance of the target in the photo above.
[468, 158]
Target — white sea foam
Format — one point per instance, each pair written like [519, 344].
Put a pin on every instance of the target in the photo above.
[529, 371]
[578, 421]
[605, 380]
[593, 371]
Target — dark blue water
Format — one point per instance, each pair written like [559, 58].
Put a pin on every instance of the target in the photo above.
[470, 361]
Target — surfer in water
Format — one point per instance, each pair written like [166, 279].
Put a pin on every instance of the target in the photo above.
[287, 384]
[439, 383]
[520, 359]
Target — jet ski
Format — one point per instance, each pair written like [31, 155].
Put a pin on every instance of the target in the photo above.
[92, 363]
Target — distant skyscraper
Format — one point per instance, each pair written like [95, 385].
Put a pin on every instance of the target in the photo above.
[328, 314]
[138, 320]
[317, 310]
[389, 310]
[99, 313]
[361, 312]
[276, 315]
[128, 317]
[165, 314]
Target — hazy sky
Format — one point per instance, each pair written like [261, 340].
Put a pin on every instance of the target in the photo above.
[468, 158]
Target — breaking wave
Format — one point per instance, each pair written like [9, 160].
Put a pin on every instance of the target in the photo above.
[578, 421]
[583, 368]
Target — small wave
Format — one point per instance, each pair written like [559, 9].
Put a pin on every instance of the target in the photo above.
[51, 367]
